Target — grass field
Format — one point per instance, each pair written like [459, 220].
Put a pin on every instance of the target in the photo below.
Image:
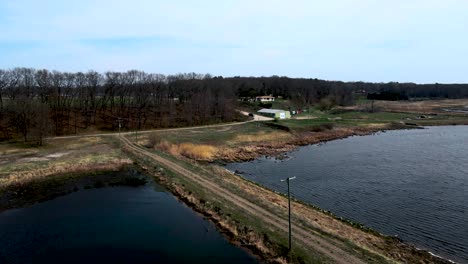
[21, 163]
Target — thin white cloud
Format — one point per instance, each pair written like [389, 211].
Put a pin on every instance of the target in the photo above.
[417, 40]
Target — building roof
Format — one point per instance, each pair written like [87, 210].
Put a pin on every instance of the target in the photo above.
[270, 111]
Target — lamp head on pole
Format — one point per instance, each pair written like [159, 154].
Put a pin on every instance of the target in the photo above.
[289, 179]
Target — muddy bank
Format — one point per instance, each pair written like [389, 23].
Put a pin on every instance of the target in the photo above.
[278, 149]
[21, 194]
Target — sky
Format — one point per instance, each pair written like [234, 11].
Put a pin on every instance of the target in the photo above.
[423, 41]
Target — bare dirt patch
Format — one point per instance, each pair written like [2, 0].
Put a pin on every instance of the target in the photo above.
[57, 155]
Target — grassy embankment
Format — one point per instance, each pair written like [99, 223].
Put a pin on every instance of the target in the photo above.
[29, 173]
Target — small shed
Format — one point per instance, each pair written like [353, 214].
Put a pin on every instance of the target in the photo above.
[275, 113]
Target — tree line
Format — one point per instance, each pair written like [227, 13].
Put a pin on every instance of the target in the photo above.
[36, 103]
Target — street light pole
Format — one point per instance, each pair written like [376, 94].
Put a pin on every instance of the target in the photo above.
[289, 208]
[120, 124]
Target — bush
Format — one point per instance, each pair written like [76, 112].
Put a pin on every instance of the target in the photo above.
[322, 127]
[265, 105]
[153, 140]
[326, 104]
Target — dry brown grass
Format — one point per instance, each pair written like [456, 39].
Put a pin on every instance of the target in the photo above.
[427, 106]
[261, 136]
[190, 150]
[27, 176]
[58, 156]
[200, 152]
[79, 142]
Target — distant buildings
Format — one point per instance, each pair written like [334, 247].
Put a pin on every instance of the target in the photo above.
[275, 113]
[267, 98]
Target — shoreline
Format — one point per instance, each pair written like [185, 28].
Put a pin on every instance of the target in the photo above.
[17, 195]
[57, 185]
[228, 228]
[186, 197]
[279, 149]
[237, 233]
[393, 248]
[281, 154]
[364, 228]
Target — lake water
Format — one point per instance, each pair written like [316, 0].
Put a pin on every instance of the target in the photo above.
[113, 225]
[410, 183]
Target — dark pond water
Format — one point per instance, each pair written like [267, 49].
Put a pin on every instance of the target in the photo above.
[411, 183]
[113, 225]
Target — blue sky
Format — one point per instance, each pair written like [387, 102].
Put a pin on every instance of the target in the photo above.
[350, 40]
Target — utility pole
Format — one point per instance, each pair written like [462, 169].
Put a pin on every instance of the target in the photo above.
[120, 123]
[289, 208]
[136, 132]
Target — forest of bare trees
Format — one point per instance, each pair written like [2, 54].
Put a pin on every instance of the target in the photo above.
[37, 103]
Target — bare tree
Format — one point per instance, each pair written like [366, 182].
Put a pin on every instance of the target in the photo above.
[41, 126]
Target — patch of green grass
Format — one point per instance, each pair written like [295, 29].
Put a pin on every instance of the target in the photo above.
[211, 135]
[376, 116]
[355, 118]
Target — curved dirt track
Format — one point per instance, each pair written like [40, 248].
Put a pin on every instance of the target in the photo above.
[307, 237]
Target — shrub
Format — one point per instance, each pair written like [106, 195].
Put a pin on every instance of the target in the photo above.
[322, 127]
[189, 150]
[153, 140]
[199, 152]
[326, 104]
[265, 105]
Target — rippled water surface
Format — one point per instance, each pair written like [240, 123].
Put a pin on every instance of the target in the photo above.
[410, 183]
[113, 225]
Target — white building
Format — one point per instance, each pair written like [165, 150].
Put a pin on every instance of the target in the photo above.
[275, 113]
[264, 98]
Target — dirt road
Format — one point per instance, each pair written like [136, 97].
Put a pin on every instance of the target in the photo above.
[113, 134]
[309, 238]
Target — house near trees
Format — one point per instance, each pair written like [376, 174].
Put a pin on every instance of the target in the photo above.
[267, 98]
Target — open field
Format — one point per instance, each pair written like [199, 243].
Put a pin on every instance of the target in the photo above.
[21, 163]
[423, 107]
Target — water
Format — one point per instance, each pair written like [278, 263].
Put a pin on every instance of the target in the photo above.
[113, 225]
[410, 183]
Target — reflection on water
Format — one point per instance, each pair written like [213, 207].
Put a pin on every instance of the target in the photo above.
[411, 183]
[113, 225]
